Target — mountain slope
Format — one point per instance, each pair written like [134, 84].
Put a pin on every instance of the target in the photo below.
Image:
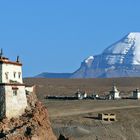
[54, 75]
[122, 59]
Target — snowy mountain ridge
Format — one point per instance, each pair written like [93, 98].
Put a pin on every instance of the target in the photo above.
[89, 60]
[121, 59]
[129, 46]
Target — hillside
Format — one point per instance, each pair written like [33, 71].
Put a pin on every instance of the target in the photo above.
[54, 75]
[69, 86]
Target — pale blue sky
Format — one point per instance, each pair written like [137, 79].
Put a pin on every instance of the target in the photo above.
[56, 35]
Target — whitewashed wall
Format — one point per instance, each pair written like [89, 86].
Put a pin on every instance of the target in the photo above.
[10, 69]
[116, 95]
[30, 89]
[136, 95]
[15, 105]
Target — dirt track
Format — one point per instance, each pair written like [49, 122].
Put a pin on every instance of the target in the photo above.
[77, 119]
[64, 114]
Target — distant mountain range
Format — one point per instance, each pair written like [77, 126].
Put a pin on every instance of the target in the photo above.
[122, 59]
[54, 75]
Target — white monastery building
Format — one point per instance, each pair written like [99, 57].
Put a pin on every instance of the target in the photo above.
[81, 95]
[13, 101]
[114, 93]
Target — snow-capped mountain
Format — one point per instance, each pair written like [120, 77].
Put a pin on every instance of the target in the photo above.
[122, 59]
[89, 61]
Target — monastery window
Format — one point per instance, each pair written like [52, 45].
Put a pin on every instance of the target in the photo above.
[6, 75]
[19, 75]
[14, 74]
[15, 92]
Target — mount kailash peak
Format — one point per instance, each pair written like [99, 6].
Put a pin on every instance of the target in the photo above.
[121, 59]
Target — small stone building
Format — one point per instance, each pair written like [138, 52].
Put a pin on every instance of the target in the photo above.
[95, 96]
[13, 99]
[107, 117]
[80, 95]
[136, 94]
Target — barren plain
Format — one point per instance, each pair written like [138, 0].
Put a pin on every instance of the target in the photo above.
[78, 119]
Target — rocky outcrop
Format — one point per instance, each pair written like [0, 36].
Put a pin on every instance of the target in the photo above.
[34, 124]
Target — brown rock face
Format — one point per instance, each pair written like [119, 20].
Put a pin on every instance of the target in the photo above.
[33, 125]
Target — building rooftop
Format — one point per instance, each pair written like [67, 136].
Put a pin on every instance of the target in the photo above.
[6, 60]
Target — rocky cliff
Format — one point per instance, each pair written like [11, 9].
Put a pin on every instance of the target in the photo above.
[34, 124]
